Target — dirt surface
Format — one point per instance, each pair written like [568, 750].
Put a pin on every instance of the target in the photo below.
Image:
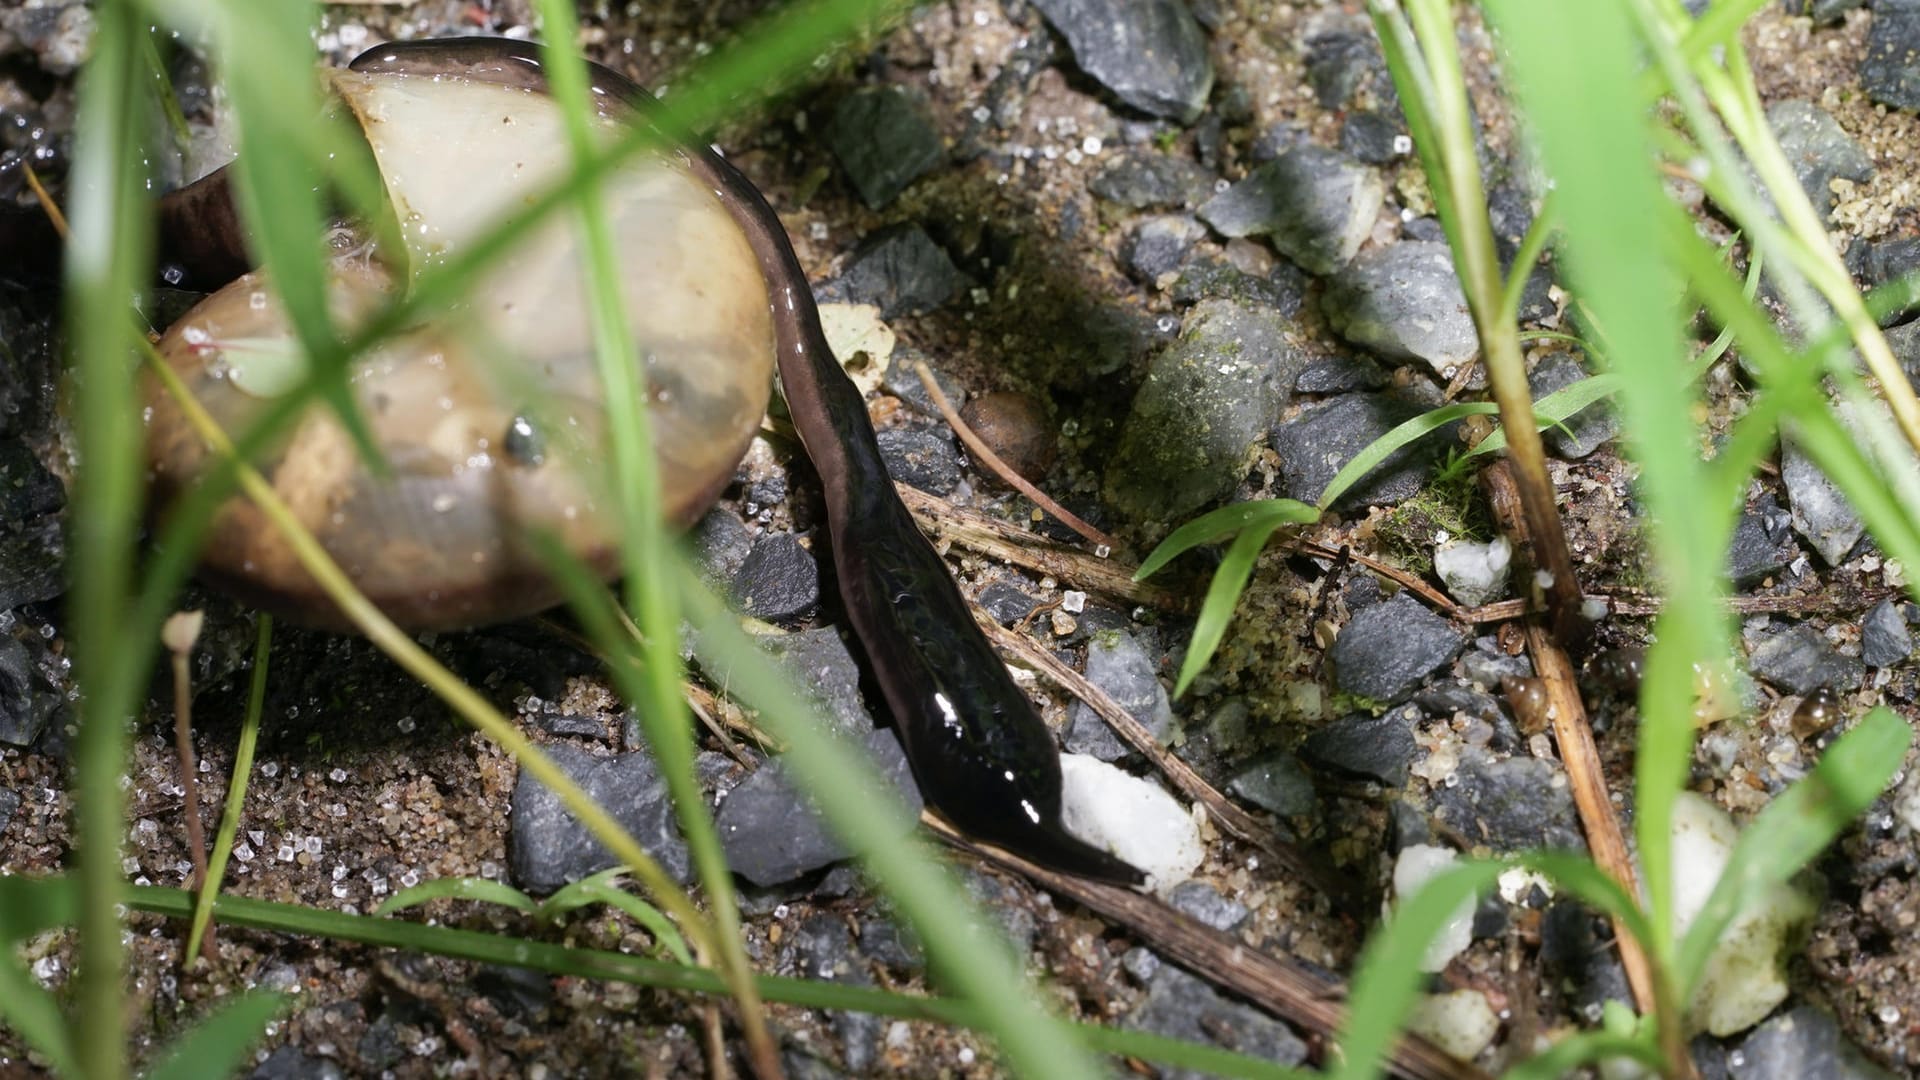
[364, 784]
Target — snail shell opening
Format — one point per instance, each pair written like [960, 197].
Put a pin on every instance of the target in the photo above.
[488, 414]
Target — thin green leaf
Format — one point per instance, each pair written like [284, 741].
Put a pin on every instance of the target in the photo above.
[604, 888]
[29, 908]
[484, 890]
[1556, 408]
[1795, 827]
[1582, 877]
[1377, 451]
[218, 1044]
[1223, 596]
[236, 787]
[1219, 524]
[1568, 1054]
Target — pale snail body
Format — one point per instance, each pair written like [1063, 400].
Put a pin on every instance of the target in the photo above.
[482, 413]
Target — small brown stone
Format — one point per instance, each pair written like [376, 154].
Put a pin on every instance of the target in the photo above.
[1015, 427]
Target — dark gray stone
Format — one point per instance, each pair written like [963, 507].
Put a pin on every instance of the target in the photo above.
[1183, 1007]
[571, 725]
[1316, 444]
[9, 805]
[1577, 950]
[771, 832]
[1204, 902]
[893, 945]
[1384, 652]
[820, 664]
[1007, 603]
[1341, 374]
[33, 562]
[780, 579]
[1275, 784]
[884, 142]
[547, 847]
[1804, 1043]
[28, 699]
[1160, 244]
[291, 1063]
[1008, 906]
[901, 271]
[1822, 12]
[1373, 137]
[1404, 301]
[1583, 432]
[1205, 401]
[1344, 59]
[1407, 825]
[921, 457]
[1800, 660]
[1370, 747]
[1819, 151]
[903, 382]
[823, 948]
[1315, 205]
[1141, 178]
[1884, 262]
[1118, 664]
[1509, 805]
[1150, 53]
[1488, 666]
[1283, 290]
[27, 489]
[720, 544]
[1890, 70]
[1754, 555]
[1884, 637]
[1821, 514]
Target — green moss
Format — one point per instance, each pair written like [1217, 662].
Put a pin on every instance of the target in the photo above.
[1450, 504]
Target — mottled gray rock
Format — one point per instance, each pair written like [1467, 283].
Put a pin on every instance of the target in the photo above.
[291, 1063]
[1316, 206]
[1007, 603]
[28, 699]
[547, 847]
[1204, 902]
[1206, 399]
[901, 271]
[27, 489]
[9, 805]
[884, 142]
[1404, 301]
[1275, 784]
[1890, 70]
[1821, 514]
[1583, 432]
[1317, 443]
[1371, 747]
[1884, 637]
[903, 382]
[1118, 664]
[819, 663]
[1160, 244]
[1882, 263]
[1182, 1007]
[1341, 374]
[921, 457]
[720, 543]
[1373, 137]
[1819, 151]
[33, 562]
[772, 833]
[892, 945]
[1755, 554]
[1203, 277]
[779, 579]
[1141, 178]
[1509, 805]
[1342, 59]
[1822, 12]
[823, 948]
[1150, 53]
[1799, 660]
[1385, 650]
[1803, 1043]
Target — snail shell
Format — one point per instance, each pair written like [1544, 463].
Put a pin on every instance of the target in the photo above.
[488, 415]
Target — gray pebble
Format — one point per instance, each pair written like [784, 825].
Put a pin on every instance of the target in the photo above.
[1890, 70]
[1160, 244]
[1884, 637]
[1007, 603]
[1183, 1007]
[1118, 664]
[1754, 555]
[1817, 149]
[1804, 1043]
[1404, 301]
[771, 832]
[1384, 651]
[1373, 137]
[9, 805]
[720, 544]
[884, 142]
[1316, 444]
[901, 271]
[1204, 902]
[1799, 660]
[921, 457]
[1341, 374]
[547, 847]
[1380, 748]
[1316, 205]
[1509, 805]
[1141, 178]
[1583, 432]
[1150, 53]
[820, 664]
[1276, 784]
[1821, 514]
[780, 579]
[28, 700]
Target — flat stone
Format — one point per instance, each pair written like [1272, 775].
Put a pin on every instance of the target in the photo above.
[1576, 949]
[1206, 400]
[772, 832]
[1374, 138]
[1821, 514]
[720, 542]
[822, 947]
[1316, 444]
[1118, 664]
[884, 142]
[1380, 748]
[547, 847]
[1800, 660]
[1509, 805]
[1204, 902]
[1150, 53]
[779, 579]
[1754, 555]
[1160, 244]
[1276, 784]
[33, 561]
[1817, 149]
[1404, 301]
[1884, 637]
[1342, 59]
[1183, 1007]
[820, 664]
[893, 945]
[1315, 205]
[1384, 651]
[921, 457]
[1007, 603]
[1885, 262]
[1341, 374]
[1804, 1043]
[903, 382]
[1890, 70]
[1583, 432]
[901, 271]
[28, 700]
[1143, 178]
[291, 1063]
[1203, 277]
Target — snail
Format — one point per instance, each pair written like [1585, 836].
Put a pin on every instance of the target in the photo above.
[715, 295]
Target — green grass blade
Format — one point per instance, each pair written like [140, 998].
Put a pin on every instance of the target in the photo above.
[1581, 876]
[1219, 524]
[1566, 1056]
[1556, 408]
[1794, 828]
[1388, 975]
[218, 1044]
[604, 888]
[1377, 451]
[483, 890]
[236, 787]
[1223, 596]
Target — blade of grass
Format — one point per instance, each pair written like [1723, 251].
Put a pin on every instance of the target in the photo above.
[1223, 596]
[604, 888]
[482, 890]
[218, 1044]
[1219, 524]
[1794, 828]
[106, 252]
[236, 787]
[29, 907]
[1566, 1056]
